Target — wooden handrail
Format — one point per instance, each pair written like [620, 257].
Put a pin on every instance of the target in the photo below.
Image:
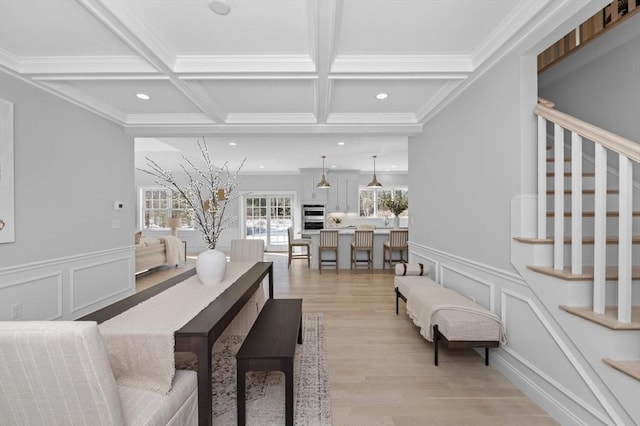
[603, 137]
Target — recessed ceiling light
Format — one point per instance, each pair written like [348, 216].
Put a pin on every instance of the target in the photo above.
[261, 166]
[221, 7]
[143, 96]
[381, 96]
[340, 143]
[233, 143]
[333, 166]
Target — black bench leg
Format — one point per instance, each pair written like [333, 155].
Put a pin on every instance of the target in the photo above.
[240, 390]
[288, 392]
[435, 344]
[397, 297]
[300, 331]
[486, 356]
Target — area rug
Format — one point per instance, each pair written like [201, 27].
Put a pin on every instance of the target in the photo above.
[265, 390]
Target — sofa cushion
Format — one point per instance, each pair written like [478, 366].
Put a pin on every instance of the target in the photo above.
[147, 408]
[58, 371]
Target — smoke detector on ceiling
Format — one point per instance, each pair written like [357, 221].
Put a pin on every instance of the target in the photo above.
[221, 7]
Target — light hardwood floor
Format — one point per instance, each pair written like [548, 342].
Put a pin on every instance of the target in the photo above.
[381, 370]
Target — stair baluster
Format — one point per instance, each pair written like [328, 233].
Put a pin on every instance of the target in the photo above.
[600, 230]
[625, 227]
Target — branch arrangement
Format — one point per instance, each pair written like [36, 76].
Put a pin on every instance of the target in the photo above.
[207, 192]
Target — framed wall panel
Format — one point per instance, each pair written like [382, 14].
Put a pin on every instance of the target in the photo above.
[7, 221]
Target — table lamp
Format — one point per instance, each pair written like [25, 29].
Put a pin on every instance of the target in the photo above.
[174, 223]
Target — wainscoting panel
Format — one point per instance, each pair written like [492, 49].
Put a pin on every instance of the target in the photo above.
[46, 306]
[97, 282]
[480, 291]
[538, 357]
[66, 288]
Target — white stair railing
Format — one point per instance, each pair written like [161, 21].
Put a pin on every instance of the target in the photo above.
[605, 142]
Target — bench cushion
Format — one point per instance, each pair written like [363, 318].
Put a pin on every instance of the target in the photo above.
[406, 283]
[458, 318]
[461, 325]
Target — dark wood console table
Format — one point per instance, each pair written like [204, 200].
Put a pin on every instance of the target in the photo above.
[199, 334]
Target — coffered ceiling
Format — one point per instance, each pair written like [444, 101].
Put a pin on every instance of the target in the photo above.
[284, 67]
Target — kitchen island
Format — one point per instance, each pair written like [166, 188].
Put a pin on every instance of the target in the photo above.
[345, 236]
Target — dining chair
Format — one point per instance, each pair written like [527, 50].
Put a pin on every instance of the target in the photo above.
[303, 243]
[328, 243]
[362, 242]
[247, 250]
[397, 242]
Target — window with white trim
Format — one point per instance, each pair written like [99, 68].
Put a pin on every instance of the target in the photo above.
[160, 204]
[370, 201]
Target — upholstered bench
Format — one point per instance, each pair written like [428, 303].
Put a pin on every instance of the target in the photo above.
[445, 316]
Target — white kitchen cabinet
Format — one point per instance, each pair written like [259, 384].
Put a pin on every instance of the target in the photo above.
[343, 194]
[310, 191]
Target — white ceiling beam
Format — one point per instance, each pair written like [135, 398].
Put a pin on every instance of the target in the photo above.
[325, 17]
[117, 18]
[275, 129]
[402, 64]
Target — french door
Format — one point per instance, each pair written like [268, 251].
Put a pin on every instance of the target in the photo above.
[267, 217]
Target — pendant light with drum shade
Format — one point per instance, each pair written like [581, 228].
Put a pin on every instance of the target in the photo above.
[324, 183]
[374, 182]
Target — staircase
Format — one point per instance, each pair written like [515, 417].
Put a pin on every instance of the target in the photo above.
[588, 227]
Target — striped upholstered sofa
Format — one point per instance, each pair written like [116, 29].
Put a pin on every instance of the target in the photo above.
[57, 373]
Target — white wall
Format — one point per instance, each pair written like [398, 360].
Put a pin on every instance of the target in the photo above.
[70, 167]
[464, 170]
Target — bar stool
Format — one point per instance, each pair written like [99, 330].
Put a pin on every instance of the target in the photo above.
[328, 242]
[397, 242]
[362, 241]
[304, 243]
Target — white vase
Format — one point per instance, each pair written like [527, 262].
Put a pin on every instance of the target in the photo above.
[396, 222]
[210, 266]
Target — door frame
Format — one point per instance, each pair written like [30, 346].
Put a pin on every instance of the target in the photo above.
[257, 194]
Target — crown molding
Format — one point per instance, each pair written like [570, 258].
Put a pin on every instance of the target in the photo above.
[521, 15]
[437, 99]
[9, 60]
[277, 118]
[372, 118]
[76, 97]
[186, 64]
[162, 119]
[84, 64]
[402, 64]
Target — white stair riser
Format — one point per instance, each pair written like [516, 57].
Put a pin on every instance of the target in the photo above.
[587, 225]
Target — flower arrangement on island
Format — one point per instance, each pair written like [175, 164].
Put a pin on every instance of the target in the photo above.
[337, 220]
[396, 204]
[207, 192]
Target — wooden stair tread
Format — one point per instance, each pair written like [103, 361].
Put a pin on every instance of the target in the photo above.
[584, 191]
[611, 273]
[609, 319]
[567, 240]
[630, 368]
[592, 214]
[568, 174]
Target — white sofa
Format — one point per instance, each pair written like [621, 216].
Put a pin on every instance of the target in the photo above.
[58, 373]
